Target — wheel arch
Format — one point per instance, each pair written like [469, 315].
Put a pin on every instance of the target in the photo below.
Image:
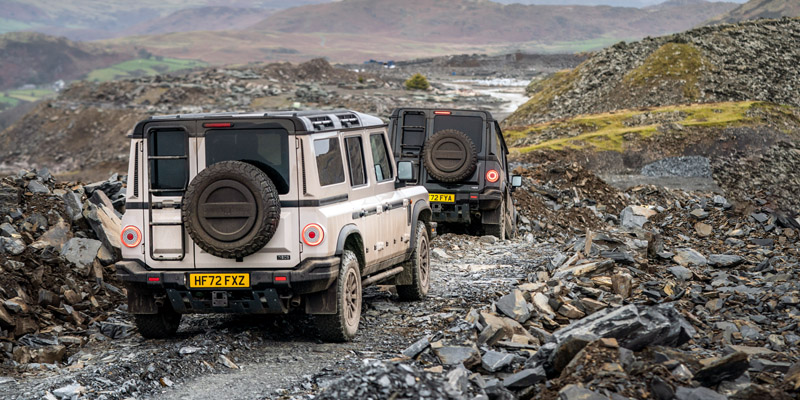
[350, 238]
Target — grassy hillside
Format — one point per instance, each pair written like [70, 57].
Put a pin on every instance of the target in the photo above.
[754, 60]
[141, 67]
[755, 9]
[32, 58]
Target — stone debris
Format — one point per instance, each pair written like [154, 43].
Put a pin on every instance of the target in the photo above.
[57, 283]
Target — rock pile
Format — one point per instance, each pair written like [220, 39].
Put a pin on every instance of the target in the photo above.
[58, 245]
[752, 60]
[676, 295]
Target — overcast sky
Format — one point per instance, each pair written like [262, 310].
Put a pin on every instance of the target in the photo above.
[618, 3]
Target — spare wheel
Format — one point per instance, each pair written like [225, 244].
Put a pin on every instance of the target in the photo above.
[450, 156]
[231, 209]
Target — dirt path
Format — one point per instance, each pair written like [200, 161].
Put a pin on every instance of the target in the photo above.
[279, 356]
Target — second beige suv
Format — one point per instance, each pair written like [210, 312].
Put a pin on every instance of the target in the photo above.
[264, 213]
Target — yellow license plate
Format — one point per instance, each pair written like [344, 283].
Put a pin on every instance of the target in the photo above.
[442, 198]
[219, 280]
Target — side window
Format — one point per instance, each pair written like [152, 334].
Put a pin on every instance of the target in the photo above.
[380, 156]
[329, 161]
[355, 161]
[168, 162]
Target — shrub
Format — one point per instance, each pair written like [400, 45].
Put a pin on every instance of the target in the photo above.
[417, 82]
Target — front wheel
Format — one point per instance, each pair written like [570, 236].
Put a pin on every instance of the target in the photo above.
[420, 265]
[342, 326]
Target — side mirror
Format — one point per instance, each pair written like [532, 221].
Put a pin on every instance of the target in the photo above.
[516, 181]
[405, 171]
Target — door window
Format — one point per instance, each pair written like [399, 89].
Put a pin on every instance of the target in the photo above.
[329, 161]
[380, 157]
[473, 127]
[355, 161]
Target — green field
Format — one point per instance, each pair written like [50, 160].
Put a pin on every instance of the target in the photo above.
[10, 98]
[142, 67]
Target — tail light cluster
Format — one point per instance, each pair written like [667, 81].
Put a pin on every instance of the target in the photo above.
[131, 236]
[313, 234]
[492, 176]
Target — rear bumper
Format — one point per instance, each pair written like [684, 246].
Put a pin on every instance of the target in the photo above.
[465, 204]
[265, 294]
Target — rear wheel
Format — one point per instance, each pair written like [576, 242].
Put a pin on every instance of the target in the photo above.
[420, 266]
[342, 326]
[162, 325]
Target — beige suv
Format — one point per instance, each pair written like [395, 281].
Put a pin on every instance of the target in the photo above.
[268, 212]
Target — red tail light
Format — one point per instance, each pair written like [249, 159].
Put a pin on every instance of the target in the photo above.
[154, 279]
[492, 176]
[217, 125]
[442, 113]
[131, 236]
[313, 234]
[280, 279]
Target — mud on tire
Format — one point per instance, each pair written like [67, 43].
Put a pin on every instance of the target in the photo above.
[231, 209]
[420, 265]
[342, 326]
[450, 156]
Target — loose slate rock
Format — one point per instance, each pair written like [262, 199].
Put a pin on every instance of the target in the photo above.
[724, 260]
[682, 273]
[575, 392]
[80, 251]
[700, 393]
[453, 355]
[687, 256]
[729, 367]
[526, 377]
[494, 361]
[514, 306]
[418, 347]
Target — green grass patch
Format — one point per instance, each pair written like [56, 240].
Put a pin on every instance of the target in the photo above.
[142, 67]
[611, 131]
[11, 98]
[672, 61]
[543, 93]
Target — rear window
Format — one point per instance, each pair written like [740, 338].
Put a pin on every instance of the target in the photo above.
[268, 149]
[471, 126]
[168, 163]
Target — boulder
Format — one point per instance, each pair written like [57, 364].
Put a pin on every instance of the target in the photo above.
[81, 251]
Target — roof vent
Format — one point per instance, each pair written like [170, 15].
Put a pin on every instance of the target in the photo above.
[349, 120]
[321, 123]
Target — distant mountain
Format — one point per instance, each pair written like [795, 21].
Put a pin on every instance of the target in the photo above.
[613, 3]
[755, 9]
[36, 58]
[99, 19]
[482, 21]
[200, 18]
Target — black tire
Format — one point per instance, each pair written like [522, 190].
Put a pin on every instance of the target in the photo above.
[158, 326]
[420, 265]
[450, 156]
[247, 220]
[342, 326]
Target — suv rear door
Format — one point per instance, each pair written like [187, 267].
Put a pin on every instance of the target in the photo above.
[167, 171]
[268, 145]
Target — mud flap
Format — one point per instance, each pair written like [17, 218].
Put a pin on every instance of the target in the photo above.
[322, 302]
[404, 278]
[141, 300]
[492, 217]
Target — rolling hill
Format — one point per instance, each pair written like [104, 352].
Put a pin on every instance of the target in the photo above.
[749, 61]
[483, 21]
[211, 18]
[34, 58]
[357, 30]
[755, 9]
[98, 19]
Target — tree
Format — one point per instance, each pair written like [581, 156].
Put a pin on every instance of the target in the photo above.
[417, 82]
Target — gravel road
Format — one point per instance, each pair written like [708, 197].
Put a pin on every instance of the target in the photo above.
[269, 357]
